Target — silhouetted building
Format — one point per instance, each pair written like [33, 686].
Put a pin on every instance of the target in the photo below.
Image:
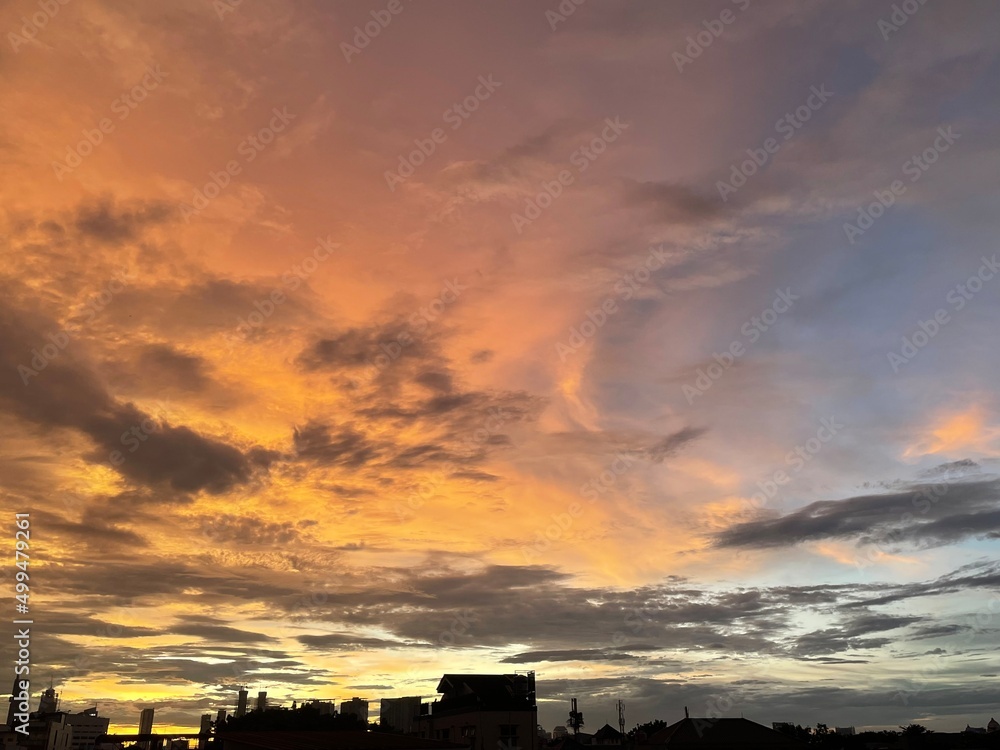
[54, 729]
[342, 740]
[146, 721]
[607, 735]
[87, 727]
[324, 708]
[483, 712]
[8, 738]
[355, 707]
[48, 703]
[12, 707]
[60, 734]
[844, 731]
[241, 703]
[993, 726]
[262, 700]
[400, 713]
[720, 734]
[204, 729]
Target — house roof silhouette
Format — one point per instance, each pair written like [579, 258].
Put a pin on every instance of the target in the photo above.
[721, 734]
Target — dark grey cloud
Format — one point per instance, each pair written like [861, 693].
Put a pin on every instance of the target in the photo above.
[341, 446]
[974, 576]
[924, 515]
[114, 222]
[214, 630]
[475, 476]
[171, 367]
[347, 641]
[671, 202]
[63, 392]
[850, 635]
[938, 631]
[581, 654]
[93, 529]
[435, 381]
[248, 531]
[671, 444]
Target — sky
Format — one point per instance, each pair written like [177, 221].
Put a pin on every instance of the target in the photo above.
[648, 346]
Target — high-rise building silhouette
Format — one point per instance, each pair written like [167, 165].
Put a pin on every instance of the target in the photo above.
[13, 703]
[87, 727]
[146, 721]
[204, 730]
[241, 704]
[356, 706]
[262, 700]
[399, 713]
[49, 702]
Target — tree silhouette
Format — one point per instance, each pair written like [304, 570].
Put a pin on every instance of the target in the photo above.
[305, 717]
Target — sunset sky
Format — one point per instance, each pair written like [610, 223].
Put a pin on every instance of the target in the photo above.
[649, 346]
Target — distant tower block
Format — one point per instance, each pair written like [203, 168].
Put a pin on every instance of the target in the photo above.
[356, 706]
[262, 700]
[241, 705]
[146, 721]
[204, 730]
[49, 702]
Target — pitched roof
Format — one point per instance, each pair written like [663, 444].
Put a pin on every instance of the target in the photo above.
[340, 740]
[607, 732]
[721, 733]
[488, 691]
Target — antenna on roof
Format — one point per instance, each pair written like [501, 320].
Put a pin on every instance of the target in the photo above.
[621, 719]
[686, 713]
[575, 718]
